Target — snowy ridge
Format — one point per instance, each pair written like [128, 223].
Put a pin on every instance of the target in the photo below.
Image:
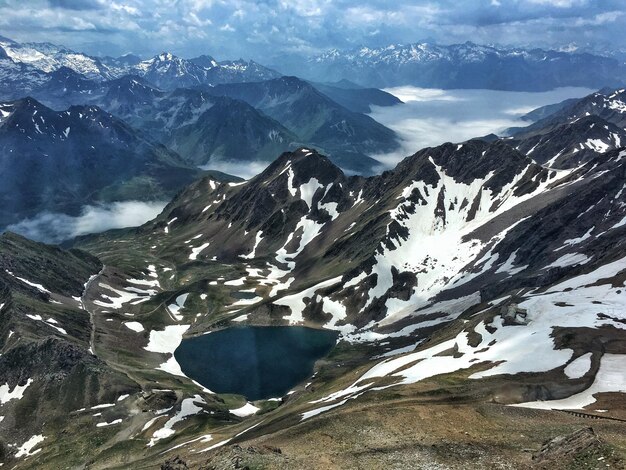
[466, 65]
[164, 69]
[429, 229]
[399, 54]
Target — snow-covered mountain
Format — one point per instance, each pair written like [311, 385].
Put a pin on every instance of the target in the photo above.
[50, 57]
[18, 79]
[574, 132]
[168, 71]
[465, 65]
[164, 70]
[572, 143]
[400, 240]
[608, 104]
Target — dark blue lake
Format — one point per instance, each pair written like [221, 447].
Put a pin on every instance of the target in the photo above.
[257, 362]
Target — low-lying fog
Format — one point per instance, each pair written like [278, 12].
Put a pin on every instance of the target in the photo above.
[53, 227]
[430, 117]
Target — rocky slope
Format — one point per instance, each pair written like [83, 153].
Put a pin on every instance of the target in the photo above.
[47, 365]
[356, 98]
[347, 136]
[230, 130]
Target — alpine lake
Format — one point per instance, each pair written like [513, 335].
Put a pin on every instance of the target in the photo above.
[253, 361]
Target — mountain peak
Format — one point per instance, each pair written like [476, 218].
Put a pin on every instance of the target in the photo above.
[28, 102]
[206, 61]
[496, 162]
[65, 71]
[166, 56]
[303, 164]
[19, 110]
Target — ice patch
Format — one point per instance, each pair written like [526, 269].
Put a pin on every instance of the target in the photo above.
[115, 421]
[611, 377]
[296, 301]
[16, 394]
[176, 307]
[579, 366]
[166, 342]
[26, 449]
[134, 325]
[39, 287]
[569, 259]
[246, 410]
[187, 408]
[196, 251]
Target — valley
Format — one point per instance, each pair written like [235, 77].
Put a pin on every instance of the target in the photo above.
[174, 278]
[219, 264]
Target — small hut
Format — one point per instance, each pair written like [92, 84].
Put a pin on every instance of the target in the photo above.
[514, 315]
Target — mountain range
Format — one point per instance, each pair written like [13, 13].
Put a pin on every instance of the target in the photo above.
[164, 70]
[475, 290]
[417, 269]
[59, 161]
[178, 123]
[466, 65]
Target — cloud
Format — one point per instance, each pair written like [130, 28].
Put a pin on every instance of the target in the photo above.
[53, 227]
[76, 4]
[262, 30]
[245, 170]
[600, 19]
[559, 3]
[431, 117]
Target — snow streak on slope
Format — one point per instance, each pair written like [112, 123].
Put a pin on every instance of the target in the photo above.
[502, 347]
[428, 237]
[436, 249]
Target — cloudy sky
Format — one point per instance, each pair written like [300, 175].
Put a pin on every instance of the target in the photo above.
[263, 29]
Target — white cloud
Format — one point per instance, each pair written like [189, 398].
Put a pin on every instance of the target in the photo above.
[187, 27]
[600, 19]
[244, 170]
[431, 117]
[125, 8]
[559, 3]
[55, 227]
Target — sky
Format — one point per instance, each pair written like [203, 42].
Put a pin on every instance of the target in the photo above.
[263, 30]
